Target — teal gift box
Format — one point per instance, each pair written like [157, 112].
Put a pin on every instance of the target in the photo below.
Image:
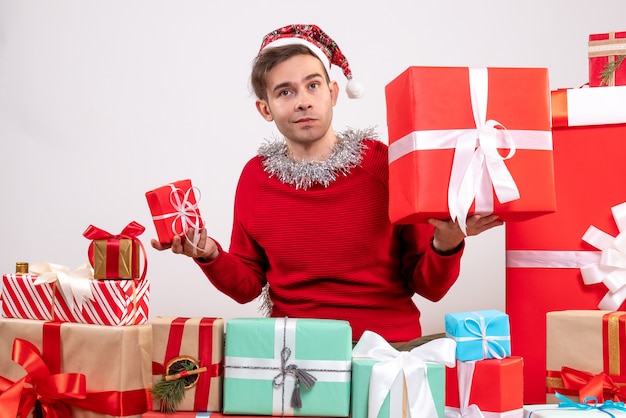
[287, 366]
[387, 383]
[479, 335]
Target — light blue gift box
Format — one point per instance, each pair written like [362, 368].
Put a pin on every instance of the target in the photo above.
[392, 406]
[263, 356]
[480, 334]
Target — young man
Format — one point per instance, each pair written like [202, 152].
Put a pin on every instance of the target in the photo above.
[311, 230]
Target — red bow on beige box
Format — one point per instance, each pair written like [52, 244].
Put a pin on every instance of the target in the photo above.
[52, 391]
[116, 256]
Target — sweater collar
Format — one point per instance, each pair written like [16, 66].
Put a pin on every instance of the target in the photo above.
[346, 154]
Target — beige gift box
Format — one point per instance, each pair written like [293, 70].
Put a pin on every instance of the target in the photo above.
[112, 359]
[198, 338]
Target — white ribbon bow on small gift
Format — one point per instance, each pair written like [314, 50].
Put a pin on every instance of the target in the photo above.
[611, 268]
[186, 215]
[477, 164]
[412, 364]
[75, 285]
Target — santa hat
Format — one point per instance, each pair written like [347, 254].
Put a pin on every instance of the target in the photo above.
[321, 44]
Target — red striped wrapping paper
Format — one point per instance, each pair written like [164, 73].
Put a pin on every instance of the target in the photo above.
[115, 302]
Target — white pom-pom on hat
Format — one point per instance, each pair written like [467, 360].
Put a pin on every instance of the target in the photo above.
[321, 44]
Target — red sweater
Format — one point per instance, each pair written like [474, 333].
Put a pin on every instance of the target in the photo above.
[331, 252]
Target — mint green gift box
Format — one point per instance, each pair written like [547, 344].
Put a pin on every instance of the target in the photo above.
[361, 372]
[388, 383]
[267, 359]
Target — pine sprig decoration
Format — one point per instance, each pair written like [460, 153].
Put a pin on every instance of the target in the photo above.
[181, 374]
[169, 394]
[609, 70]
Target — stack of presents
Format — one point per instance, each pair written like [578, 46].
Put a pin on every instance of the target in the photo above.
[551, 164]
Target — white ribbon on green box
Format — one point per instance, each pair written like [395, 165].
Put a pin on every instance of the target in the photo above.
[267, 358]
[381, 374]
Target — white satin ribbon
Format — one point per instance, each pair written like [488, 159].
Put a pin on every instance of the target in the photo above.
[477, 164]
[411, 365]
[591, 106]
[465, 373]
[75, 285]
[611, 267]
[550, 259]
[186, 213]
[513, 413]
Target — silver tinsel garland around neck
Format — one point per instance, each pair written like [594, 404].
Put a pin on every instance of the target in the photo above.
[345, 155]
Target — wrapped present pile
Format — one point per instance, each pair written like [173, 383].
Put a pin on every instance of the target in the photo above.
[487, 380]
[76, 342]
[569, 260]
[462, 141]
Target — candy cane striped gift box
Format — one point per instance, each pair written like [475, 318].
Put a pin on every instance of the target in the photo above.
[100, 302]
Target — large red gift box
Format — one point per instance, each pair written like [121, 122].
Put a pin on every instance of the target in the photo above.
[174, 209]
[107, 302]
[469, 140]
[496, 385]
[544, 255]
[95, 371]
[606, 49]
[199, 340]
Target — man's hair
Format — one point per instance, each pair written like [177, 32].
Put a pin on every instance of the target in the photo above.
[271, 57]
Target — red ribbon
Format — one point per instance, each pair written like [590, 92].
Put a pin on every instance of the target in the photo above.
[53, 391]
[600, 386]
[559, 108]
[205, 350]
[131, 231]
[58, 392]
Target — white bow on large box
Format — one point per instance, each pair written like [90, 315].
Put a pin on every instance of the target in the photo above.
[610, 269]
[411, 364]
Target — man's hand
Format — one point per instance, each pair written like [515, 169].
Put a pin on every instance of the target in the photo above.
[448, 234]
[205, 248]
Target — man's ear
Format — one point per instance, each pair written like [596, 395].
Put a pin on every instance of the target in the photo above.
[264, 109]
[334, 91]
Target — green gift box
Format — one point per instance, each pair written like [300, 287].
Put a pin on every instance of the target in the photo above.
[287, 366]
[400, 383]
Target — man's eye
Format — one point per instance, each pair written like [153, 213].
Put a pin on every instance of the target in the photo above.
[284, 93]
[315, 85]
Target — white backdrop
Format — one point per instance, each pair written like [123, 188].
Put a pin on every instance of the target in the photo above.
[102, 100]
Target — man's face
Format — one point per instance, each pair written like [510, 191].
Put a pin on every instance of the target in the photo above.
[300, 100]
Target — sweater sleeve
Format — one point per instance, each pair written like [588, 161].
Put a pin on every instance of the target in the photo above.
[240, 272]
[430, 275]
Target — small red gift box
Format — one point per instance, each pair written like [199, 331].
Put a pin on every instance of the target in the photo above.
[606, 59]
[198, 340]
[174, 210]
[544, 255]
[469, 140]
[116, 256]
[496, 384]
